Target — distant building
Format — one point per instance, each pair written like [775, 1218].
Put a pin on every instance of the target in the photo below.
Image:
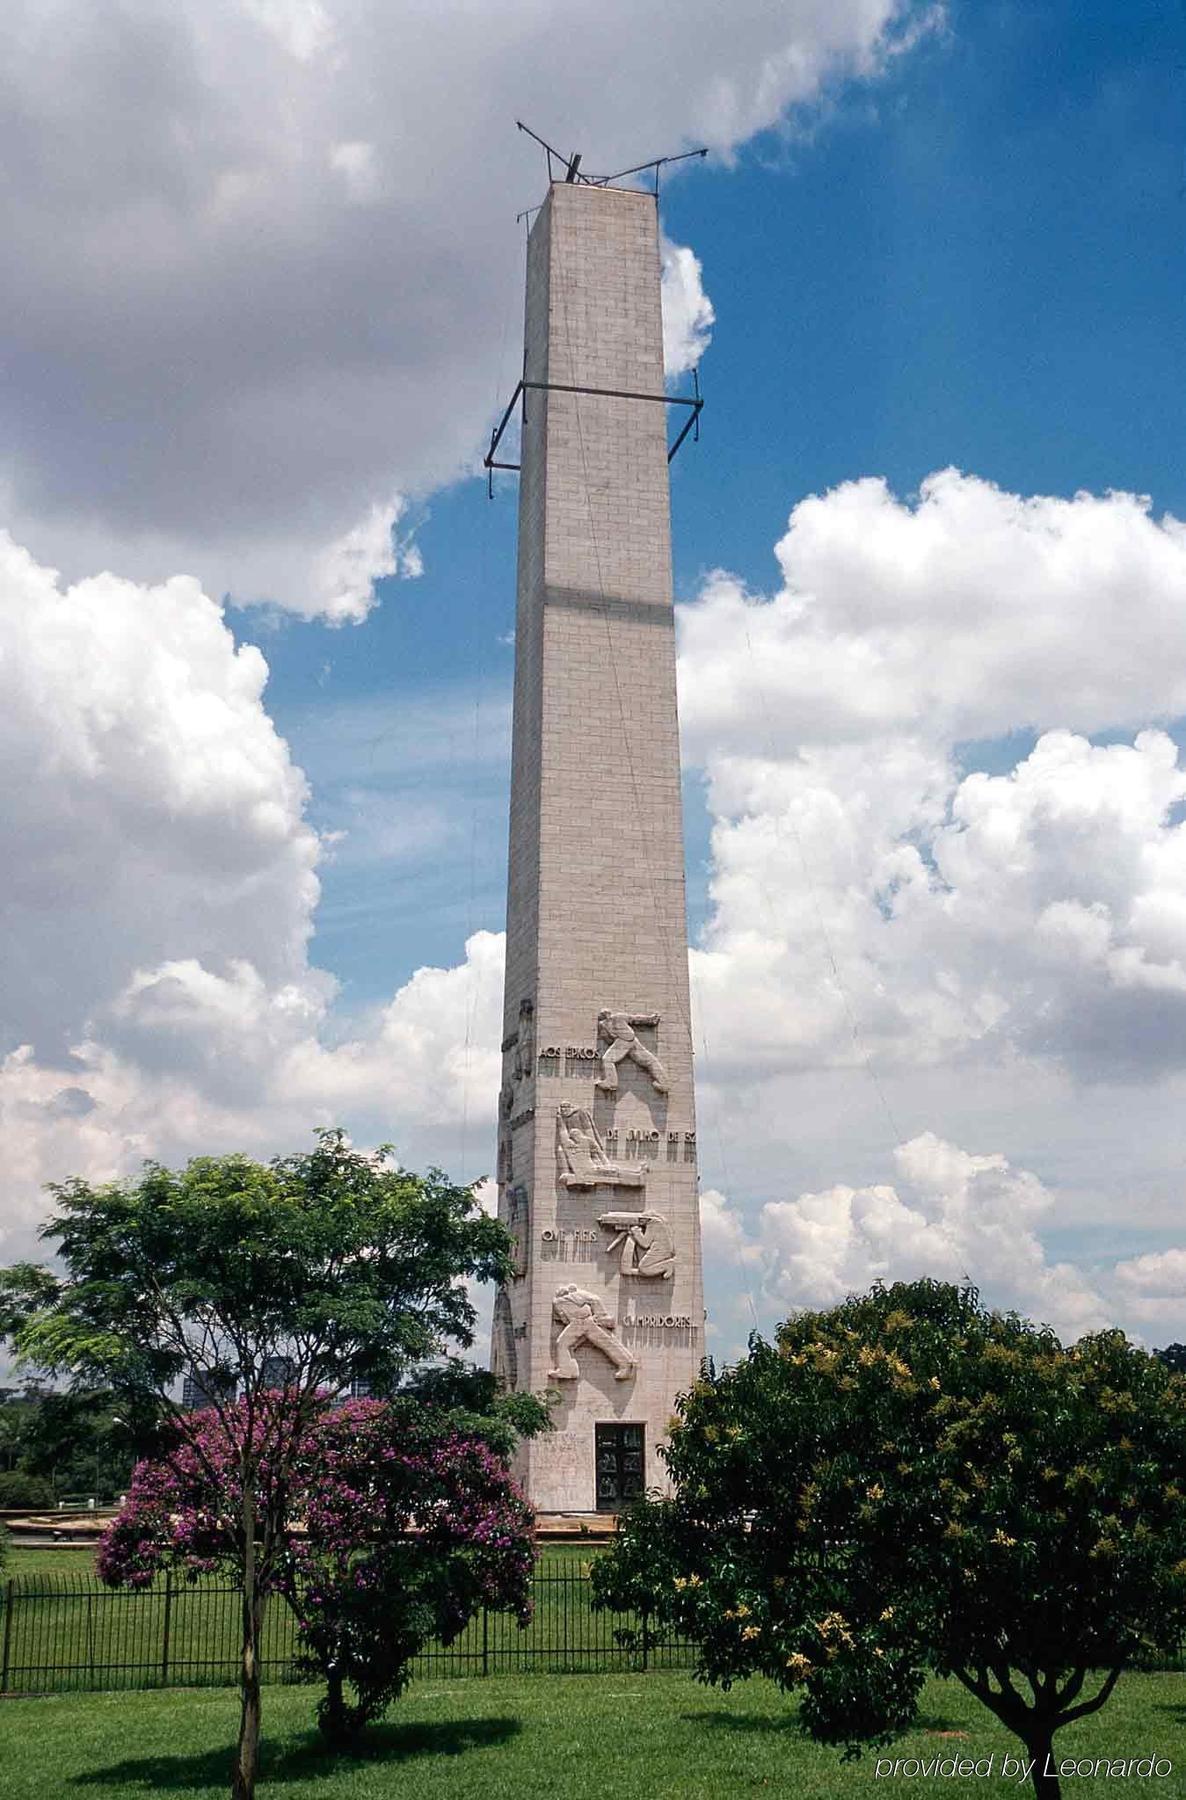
[278, 1371]
[200, 1391]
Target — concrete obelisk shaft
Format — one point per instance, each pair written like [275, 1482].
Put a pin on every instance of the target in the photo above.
[597, 1147]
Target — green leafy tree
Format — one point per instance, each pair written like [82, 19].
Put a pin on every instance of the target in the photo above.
[72, 1442]
[332, 1266]
[474, 1401]
[910, 1482]
[12, 1414]
[22, 1491]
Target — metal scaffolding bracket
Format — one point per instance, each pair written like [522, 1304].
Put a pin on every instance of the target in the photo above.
[694, 403]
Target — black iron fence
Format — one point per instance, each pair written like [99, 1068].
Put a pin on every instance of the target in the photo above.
[67, 1632]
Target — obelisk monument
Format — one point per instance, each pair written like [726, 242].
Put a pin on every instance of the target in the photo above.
[597, 1131]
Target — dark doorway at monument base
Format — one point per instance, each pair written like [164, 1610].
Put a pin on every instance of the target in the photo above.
[620, 1465]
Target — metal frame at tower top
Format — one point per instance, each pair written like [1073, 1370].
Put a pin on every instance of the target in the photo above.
[573, 172]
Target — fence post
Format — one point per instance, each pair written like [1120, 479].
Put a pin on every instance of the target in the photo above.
[485, 1640]
[646, 1641]
[8, 1592]
[165, 1632]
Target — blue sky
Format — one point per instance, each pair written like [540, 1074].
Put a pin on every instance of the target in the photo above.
[980, 261]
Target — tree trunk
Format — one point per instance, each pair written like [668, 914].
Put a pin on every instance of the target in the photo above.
[247, 1750]
[1040, 1749]
[246, 1762]
[332, 1713]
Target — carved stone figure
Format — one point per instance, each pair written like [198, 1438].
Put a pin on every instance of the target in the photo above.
[504, 1357]
[524, 1067]
[645, 1240]
[616, 1033]
[584, 1320]
[582, 1154]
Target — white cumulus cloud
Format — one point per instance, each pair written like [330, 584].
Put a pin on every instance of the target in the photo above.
[1161, 1274]
[259, 255]
[872, 896]
[965, 614]
[950, 1215]
[688, 316]
[158, 993]
[150, 806]
[947, 894]
[986, 942]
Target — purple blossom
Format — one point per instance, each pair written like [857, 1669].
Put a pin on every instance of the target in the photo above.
[395, 1527]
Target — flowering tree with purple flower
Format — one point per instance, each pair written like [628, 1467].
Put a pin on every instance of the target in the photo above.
[329, 1267]
[412, 1526]
[401, 1524]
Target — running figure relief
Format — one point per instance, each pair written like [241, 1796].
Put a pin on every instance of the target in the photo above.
[582, 1155]
[617, 1040]
[584, 1320]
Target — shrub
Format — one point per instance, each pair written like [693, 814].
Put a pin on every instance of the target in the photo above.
[18, 1490]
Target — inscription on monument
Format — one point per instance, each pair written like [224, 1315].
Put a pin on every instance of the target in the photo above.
[568, 1059]
[664, 1321]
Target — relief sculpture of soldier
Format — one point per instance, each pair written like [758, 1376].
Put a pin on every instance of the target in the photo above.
[645, 1240]
[582, 1154]
[524, 1064]
[584, 1320]
[621, 1041]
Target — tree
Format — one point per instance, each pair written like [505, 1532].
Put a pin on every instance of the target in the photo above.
[334, 1265]
[413, 1527]
[11, 1423]
[71, 1442]
[401, 1524]
[23, 1492]
[911, 1482]
[1174, 1357]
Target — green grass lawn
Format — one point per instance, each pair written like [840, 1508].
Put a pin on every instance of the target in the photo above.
[73, 1559]
[655, 1737]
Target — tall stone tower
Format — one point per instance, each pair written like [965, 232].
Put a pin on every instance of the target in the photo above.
[597, 1131]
